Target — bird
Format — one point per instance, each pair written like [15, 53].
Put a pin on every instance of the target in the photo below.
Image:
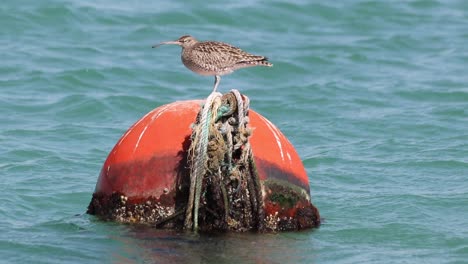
[213, 58]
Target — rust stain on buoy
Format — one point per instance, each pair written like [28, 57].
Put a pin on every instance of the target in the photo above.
[145, 178]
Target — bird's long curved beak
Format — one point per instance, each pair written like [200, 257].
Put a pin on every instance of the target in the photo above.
[166, 43]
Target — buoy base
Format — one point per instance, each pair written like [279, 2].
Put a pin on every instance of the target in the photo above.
[287, 208]
[118, 207]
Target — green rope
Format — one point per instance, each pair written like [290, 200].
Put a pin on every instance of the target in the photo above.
[222, 111]
[200, 166]
[199, 159]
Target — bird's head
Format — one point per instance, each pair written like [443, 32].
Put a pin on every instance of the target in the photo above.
[184, 41]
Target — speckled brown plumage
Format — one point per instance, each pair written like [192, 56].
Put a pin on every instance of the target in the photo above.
[213, 58]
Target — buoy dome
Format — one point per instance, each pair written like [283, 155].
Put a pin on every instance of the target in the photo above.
[150, 159]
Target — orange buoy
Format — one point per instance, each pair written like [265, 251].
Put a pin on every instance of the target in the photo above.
[144, 178]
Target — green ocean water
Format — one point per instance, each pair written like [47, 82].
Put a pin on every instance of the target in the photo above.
[373, 94]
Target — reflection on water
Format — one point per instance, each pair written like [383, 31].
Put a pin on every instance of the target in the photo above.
[148, 245]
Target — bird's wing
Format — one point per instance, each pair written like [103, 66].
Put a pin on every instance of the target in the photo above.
[223, 54]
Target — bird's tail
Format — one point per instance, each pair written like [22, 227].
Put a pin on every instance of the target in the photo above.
[256, 61]
[264, 62]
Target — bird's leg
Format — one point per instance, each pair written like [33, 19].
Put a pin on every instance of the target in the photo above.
[217, 79]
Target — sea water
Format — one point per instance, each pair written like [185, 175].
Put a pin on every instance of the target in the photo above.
[373, 95]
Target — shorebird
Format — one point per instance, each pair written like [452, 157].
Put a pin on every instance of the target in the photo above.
[213, 58]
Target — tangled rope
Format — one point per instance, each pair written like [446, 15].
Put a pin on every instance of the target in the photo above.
[224, 190]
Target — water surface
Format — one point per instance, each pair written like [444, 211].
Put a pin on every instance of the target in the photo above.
[373, 95]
